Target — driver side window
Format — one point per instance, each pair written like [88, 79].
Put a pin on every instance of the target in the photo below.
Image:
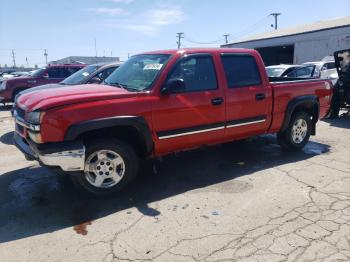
[197, 73]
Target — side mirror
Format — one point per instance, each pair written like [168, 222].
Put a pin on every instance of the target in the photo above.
[45, 75]
[176, 85]
[95, 80]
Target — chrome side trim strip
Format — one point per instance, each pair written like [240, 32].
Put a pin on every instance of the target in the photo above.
[192, 132]
[246, 123]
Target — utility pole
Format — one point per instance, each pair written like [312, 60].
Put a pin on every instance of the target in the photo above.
[13, 58]
[276, 15]
[45, 54]
[95, 48]
[179, 36]
[226, 38]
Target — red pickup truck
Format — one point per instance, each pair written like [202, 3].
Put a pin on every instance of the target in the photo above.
[161, 102]
[9, 88]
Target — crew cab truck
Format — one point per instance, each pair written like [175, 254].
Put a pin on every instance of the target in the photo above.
[161, 102]
[54, 73]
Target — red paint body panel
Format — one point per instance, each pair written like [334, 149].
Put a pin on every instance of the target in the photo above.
[67, 106]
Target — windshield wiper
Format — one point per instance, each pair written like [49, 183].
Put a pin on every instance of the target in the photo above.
[124, 86]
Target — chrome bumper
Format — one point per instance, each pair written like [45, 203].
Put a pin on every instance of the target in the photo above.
[72, 159]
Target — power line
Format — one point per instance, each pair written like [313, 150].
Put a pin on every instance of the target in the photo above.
[202, 43]
[179, 36]
[276, 15]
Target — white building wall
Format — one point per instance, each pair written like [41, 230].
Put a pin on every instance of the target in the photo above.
[309, 46]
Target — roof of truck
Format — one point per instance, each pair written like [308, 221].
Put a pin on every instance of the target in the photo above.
[202, 50]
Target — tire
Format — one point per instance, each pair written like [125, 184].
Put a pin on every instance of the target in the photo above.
[297, 134]
[100, 155]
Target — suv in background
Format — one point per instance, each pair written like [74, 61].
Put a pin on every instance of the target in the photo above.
[9, 88]
[322, 69]
[91, 74]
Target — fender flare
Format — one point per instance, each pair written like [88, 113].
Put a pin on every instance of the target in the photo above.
[308, 101]
[137, 122]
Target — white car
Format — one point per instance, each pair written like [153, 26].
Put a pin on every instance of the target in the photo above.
[323, 69]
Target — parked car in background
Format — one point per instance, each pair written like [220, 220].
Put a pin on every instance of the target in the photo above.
[91, 74]
[162, 102]
[280, 70]
[9, 88]
[322, 69]
[306, 71]
[20, 73]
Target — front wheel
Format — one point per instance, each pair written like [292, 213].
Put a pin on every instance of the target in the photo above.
[110, 165]
[297, 135]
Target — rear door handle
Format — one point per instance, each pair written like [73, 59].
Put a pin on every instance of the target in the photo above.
[217, 101]
[260, 96]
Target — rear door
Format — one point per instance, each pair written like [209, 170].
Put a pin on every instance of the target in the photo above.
[248, 96]
[195, 116]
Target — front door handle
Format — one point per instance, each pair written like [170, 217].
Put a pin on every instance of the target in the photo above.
[217, 101]
[260, 96]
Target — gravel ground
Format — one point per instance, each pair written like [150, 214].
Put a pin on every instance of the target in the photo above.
[242, 201]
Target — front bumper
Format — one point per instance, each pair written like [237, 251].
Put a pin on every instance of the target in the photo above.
[69, 156]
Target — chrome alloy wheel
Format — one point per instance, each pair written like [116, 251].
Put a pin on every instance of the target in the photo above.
[104, 168]
[299, 131]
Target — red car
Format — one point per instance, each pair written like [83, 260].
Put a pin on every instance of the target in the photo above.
[161, 102]
[9, 88]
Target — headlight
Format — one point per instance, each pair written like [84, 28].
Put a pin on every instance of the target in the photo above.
[34, 117]
[3, 86]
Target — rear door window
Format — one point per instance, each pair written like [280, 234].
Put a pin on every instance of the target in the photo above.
[241, 70]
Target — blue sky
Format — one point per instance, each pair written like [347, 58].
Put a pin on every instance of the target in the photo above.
[69, 27]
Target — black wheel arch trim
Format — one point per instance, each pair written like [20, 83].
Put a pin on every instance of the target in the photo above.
[138, 122]
[309, 100]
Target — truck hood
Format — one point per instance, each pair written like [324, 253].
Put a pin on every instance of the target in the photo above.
[54, 97]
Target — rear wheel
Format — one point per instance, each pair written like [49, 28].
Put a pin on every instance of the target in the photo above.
[297, 135]
[110, 165]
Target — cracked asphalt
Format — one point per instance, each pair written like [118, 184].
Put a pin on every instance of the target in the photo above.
[242, 201]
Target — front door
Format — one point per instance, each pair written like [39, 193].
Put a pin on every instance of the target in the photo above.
[195, 115]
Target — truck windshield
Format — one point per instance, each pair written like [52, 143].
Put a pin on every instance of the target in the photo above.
[139, 72]
[78, 76]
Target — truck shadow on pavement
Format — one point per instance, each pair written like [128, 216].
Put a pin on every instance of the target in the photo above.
[7, 138]
[34, 201]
